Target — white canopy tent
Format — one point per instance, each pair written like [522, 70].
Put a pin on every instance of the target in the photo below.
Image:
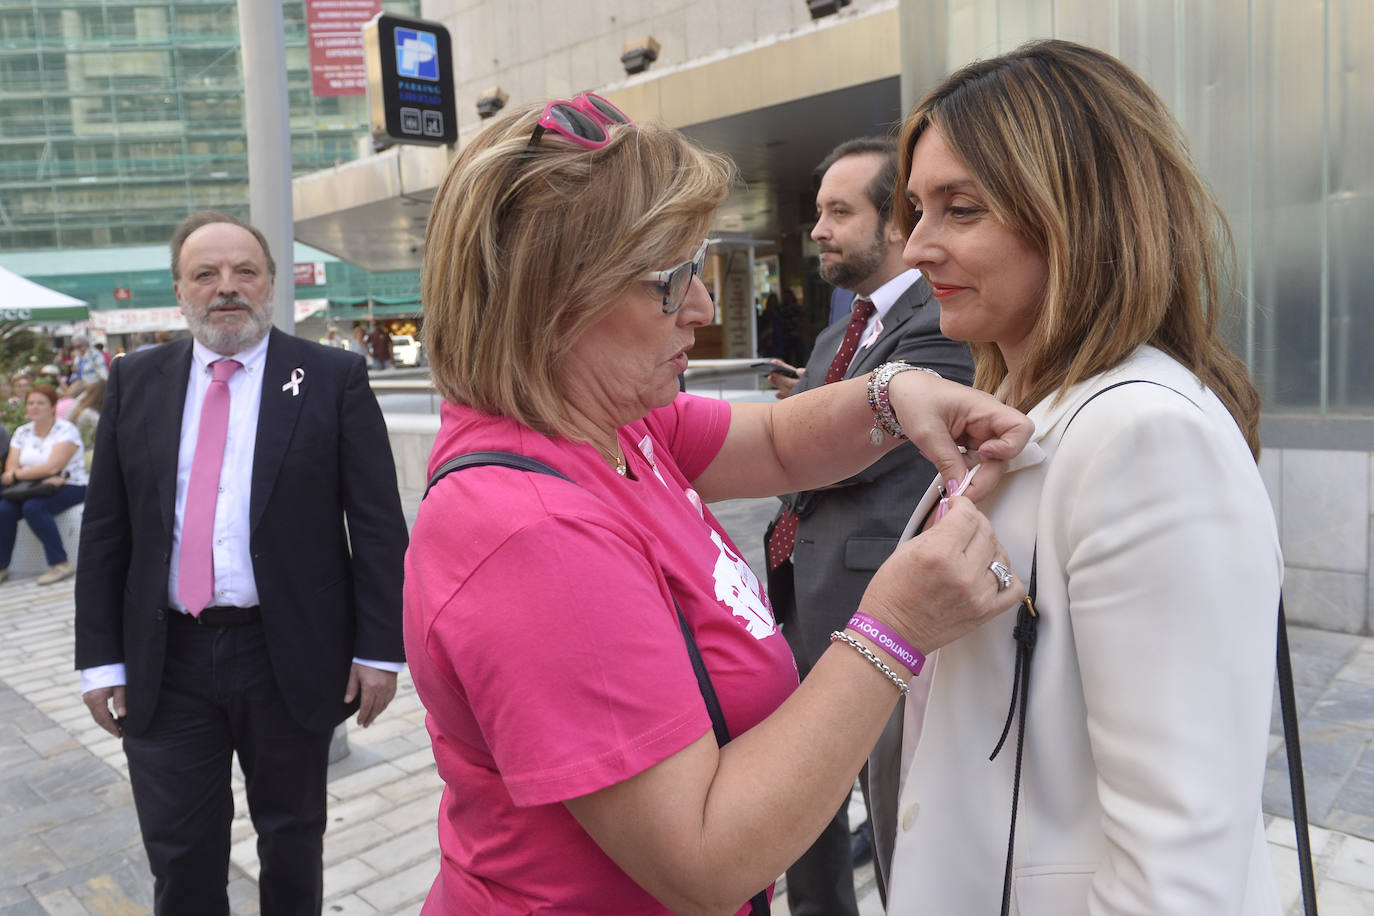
[23, 300]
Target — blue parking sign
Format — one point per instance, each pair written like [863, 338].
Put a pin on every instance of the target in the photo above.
[409, 81]
[417, 54]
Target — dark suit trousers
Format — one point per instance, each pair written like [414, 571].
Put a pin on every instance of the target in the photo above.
[821, 882]
[218, 697]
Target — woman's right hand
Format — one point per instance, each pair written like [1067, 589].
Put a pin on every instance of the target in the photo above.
[941, 417]
[937, 587]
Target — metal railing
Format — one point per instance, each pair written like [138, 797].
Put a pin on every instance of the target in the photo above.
[707, 377]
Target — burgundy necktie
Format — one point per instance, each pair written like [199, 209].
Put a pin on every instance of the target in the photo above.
[858, 320]
[784, 536]
[196, 571]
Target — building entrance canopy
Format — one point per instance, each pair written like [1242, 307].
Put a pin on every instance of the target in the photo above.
[769, 107]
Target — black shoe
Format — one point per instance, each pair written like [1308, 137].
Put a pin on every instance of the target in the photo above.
[861, 845]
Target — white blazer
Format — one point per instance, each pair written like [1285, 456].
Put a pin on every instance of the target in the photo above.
[1151, 686]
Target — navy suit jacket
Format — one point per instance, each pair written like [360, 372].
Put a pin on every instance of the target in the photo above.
[327, 536]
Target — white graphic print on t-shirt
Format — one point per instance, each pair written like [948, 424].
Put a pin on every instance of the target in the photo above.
[738, 589]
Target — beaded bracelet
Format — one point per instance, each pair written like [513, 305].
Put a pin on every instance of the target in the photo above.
[867, 653]
[884, 418]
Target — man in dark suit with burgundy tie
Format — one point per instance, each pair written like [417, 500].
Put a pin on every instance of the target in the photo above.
[239, 590]
[824, 545]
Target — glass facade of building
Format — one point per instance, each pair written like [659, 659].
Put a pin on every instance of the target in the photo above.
[1277, 99]
[119, 117]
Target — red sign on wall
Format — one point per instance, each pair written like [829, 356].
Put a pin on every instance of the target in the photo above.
[123, 294]
[308, 273]
[336, 44]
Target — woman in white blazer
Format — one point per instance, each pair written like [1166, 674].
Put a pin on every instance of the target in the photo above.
[1069, 239]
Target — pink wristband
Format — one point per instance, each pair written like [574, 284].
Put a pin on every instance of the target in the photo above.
[889, 641]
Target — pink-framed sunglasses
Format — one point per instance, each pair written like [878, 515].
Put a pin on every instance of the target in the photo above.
[583, 120]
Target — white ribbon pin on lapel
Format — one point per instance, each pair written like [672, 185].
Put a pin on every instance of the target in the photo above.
[294, 384]
[872, 336]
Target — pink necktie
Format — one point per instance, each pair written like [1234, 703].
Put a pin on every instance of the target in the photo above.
[196, 572]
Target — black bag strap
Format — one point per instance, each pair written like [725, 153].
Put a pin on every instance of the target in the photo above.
[500, 459]
[759, 903]
[1024, 634]
[708, 691]
[1289, 711]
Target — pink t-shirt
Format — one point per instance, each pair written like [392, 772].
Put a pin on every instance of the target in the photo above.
[542, 639]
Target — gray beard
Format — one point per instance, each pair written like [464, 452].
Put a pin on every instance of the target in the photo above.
[225, 341]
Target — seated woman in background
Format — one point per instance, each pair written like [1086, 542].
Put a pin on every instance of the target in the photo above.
[85, 414]
[20, 383]
[86, 411]
[66, 397]
[49, 450]
[1070, 240]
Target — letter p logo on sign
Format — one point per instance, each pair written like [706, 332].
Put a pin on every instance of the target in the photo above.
[417, 54]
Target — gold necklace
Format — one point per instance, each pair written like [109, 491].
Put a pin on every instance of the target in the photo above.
[616, 458]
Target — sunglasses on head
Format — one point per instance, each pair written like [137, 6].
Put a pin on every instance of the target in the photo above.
[674, 282]
[582, 120]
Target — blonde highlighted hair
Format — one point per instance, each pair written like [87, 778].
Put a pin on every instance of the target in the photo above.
[1076, 154]
[528, 246]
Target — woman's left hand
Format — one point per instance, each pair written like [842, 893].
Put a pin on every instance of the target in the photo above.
[56, 480]
[937, 587]
[940, 416]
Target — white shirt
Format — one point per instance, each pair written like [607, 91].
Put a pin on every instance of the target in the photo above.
[883, 299]
[35, 449]
[234, 582]
[235, 585]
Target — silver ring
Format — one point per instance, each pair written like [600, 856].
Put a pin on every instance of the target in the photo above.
[1002, 572]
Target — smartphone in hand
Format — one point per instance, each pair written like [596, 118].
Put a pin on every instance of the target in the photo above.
[770, 368]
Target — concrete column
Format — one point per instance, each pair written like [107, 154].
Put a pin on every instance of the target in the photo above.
[924, 26]
[267, 115]
[739, 332]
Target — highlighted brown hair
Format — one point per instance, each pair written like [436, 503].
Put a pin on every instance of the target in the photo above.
[527, 247]
[1078, 155]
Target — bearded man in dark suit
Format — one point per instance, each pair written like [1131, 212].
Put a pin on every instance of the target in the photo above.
[825, 545]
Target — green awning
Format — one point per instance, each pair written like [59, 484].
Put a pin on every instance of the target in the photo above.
[46, 315]
[22, 299]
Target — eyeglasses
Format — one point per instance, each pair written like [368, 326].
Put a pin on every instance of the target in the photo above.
[675, 281]
[583, 120]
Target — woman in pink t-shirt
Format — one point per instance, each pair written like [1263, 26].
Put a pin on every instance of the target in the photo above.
[562, 289]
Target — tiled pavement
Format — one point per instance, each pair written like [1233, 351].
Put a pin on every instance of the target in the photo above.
[69, 840]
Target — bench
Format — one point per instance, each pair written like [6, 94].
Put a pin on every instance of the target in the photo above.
[28, 558]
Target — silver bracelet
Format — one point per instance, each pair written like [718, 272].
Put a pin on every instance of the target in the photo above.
[863, 650]
[884, 417]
